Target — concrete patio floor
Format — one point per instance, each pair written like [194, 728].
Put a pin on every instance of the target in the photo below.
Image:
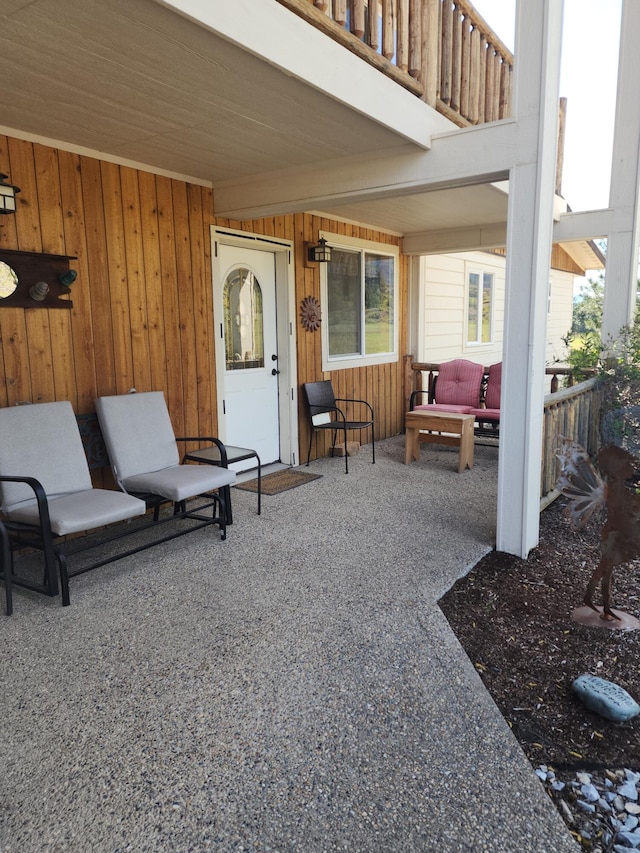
[295, 688]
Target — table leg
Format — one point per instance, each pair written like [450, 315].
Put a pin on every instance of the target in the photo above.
[411, 445]
[465, 457]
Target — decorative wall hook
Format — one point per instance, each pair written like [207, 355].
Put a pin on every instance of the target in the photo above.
[39, 291]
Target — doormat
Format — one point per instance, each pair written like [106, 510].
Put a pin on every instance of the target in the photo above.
[279, 481]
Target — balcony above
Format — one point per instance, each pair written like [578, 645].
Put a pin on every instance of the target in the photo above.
[443, 51]
[229, 94]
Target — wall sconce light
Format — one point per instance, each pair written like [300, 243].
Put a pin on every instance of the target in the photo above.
[7, 196]
[320, 254]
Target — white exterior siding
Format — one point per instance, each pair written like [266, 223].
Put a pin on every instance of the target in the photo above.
[560, 315]
[443, 330]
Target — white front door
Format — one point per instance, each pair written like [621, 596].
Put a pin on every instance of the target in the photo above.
[247, 350]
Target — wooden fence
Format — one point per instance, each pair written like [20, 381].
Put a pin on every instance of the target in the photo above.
[441, 50]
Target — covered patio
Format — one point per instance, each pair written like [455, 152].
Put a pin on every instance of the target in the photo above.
[295, 687]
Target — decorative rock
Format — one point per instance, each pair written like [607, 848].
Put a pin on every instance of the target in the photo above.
[605, 698]
[590, 793]
[632, 808]
[586, 807]
[629, 791]
[631, 839]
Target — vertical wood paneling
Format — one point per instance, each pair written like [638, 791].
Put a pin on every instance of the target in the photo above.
[135, 278]
[74, 242]
[184, 281]
[153, 290]
[117, 279]
[98, 278]
[174, 389]
[142, 304]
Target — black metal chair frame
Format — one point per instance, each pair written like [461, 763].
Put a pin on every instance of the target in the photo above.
[41, 538]
[321, 400]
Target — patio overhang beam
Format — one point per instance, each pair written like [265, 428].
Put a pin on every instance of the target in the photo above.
[470, 156]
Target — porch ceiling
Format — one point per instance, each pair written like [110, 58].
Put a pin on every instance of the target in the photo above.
[133, 80]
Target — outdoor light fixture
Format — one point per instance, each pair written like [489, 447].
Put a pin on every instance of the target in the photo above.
[320, 254]
[7, 196]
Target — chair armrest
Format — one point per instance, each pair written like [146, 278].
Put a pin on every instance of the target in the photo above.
[41, 497]
[412, 399]
[221, 448]
[349, 400]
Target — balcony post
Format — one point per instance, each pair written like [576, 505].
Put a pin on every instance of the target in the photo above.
[529, 232]
[622, 251]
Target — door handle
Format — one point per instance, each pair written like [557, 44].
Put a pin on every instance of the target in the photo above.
[275, 372]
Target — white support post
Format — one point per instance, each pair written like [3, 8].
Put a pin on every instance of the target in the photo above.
[622, 251]
[529, 236]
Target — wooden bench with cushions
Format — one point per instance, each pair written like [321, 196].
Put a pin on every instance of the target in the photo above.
[464, 387]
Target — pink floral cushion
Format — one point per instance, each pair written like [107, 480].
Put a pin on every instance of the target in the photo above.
[492, 397]
[458, 383]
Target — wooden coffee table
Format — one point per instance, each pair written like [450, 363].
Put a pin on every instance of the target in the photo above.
[439, 428]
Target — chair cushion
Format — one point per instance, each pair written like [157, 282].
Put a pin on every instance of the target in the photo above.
[443, 407]
[138, 433]
[494, 382]
[41, 441]
[459, 382]
[180, 482]
[486, 414]
[82, 511]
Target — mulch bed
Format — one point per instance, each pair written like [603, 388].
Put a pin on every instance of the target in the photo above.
[512, 617]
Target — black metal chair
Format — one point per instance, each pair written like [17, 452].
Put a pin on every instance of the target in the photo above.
[325, 414]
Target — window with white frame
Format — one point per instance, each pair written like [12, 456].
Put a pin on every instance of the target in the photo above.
[359, 295]
[480, 298]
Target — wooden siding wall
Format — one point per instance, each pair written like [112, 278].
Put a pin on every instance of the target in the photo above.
[142, 302]
[380, 385]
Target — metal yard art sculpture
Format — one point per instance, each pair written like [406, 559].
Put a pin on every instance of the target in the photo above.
[612, 486]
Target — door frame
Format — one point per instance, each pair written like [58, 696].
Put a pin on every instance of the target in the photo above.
[283, 253]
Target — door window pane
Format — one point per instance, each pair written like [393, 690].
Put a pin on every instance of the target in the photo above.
[243, 320]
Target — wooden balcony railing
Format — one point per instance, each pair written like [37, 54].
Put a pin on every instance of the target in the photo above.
[441, 50]
[573, 413]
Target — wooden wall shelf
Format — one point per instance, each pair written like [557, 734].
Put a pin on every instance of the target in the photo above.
[32, 267]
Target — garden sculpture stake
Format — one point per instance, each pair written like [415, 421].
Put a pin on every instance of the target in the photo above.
[587, 490]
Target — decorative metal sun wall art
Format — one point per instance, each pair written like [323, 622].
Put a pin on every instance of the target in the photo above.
[310, 313]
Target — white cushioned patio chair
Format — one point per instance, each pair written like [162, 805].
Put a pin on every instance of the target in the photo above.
[145, 461]
[46, 490]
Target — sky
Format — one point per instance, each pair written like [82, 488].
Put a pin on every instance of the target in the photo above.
[591, 33]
